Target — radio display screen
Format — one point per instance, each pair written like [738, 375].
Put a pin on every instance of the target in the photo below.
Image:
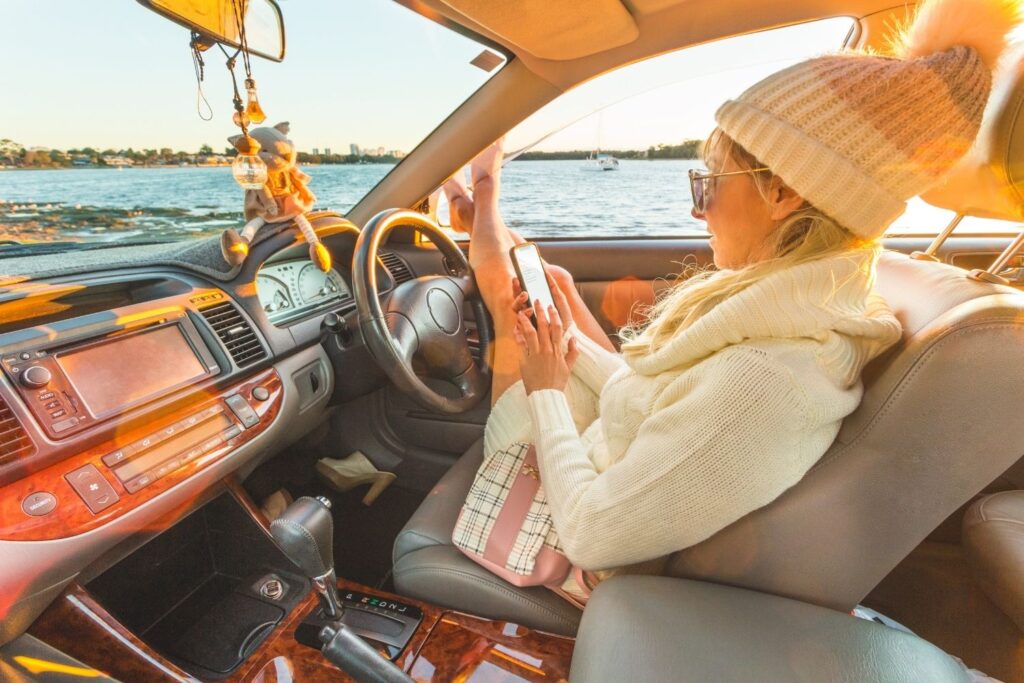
[126, 370]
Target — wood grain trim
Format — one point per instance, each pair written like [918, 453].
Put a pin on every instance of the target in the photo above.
[447, 646]
[72, 516]
[462, 647]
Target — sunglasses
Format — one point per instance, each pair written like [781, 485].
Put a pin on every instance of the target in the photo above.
[702, 189]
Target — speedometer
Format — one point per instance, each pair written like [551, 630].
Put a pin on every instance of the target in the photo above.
[314, 284]
[273, 294]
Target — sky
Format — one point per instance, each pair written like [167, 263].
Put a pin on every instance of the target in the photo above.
[111, 74]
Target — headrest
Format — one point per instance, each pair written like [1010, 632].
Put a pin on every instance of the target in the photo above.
[989, 180]
[554, 29]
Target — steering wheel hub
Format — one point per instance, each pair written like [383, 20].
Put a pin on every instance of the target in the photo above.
[443, 310]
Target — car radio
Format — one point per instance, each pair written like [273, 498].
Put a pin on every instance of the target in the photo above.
[70, 386]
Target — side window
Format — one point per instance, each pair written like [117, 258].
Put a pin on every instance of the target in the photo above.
[922, 218]
[610, 157]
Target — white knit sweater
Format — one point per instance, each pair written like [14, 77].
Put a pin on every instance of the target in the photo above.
[718, 422]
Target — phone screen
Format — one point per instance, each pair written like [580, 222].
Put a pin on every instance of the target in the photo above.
[532, 276]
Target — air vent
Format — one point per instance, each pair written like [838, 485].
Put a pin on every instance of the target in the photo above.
[14, 442]
[235, 332]
[396, 266]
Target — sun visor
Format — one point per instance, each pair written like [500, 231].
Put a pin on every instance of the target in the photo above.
[554, 29]
[989, 181]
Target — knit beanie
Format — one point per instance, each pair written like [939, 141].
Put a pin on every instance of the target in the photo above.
[858, 134]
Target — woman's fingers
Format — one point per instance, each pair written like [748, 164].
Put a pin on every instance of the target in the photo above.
[543, 333]
[561, 303]
[554, 328]
[528, 333]
[573, 353]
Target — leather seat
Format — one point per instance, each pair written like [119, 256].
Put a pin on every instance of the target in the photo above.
[693, 631]
[428, 566]
[993, 541]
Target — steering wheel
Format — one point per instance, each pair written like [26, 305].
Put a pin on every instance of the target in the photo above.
[422, 318]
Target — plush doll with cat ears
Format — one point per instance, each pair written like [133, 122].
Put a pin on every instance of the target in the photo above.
[284, 197]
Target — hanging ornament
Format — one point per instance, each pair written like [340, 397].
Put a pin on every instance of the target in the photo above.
[248, 169]
[252, 108]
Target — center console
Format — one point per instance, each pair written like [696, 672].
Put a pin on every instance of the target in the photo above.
[214, 598]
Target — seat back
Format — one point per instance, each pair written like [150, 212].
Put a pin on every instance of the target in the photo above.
[941, 417]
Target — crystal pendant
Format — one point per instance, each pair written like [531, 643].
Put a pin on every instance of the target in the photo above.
[250, 171]
[253, 109]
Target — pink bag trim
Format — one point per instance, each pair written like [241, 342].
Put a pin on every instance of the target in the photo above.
[513, 511]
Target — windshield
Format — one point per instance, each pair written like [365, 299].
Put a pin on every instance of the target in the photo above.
[102, 130]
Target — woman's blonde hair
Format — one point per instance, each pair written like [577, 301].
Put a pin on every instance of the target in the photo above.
[805, 235]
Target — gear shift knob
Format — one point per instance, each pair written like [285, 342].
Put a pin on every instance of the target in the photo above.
[305, 532]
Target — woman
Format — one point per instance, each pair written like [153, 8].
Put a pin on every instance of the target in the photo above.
[739, 381]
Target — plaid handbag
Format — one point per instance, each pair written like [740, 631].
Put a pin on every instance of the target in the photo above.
[505, 524]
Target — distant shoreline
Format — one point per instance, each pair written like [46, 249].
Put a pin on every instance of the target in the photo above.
[555, 157]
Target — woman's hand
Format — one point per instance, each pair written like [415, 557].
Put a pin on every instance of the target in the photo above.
[542, 364]
[520, 299]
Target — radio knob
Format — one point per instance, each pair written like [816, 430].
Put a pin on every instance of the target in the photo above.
[36, 377]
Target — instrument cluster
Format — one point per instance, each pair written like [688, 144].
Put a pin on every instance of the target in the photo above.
[290, 289]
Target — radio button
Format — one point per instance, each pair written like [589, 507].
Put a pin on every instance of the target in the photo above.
[260, 393]
[58, 413]
[64, 425]
[243, 410]
[111, 459]
[46, 396]
[36, 377]
[211, 443]
[25, 355]
[139, 482]
[39, 503]
[232, 433]
[93, 488]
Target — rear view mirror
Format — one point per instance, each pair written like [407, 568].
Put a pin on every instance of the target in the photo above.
[216, 20]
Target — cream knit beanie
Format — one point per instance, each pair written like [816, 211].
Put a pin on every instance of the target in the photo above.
[857, 134]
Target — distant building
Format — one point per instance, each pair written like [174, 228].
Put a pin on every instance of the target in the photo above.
[117, 161]
[396, 153]
[327, 151]
[353, 149]
[316, 151]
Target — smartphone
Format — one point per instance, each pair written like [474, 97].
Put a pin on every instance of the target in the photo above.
[532, 276]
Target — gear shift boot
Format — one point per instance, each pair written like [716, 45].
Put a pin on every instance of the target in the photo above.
[305, 532]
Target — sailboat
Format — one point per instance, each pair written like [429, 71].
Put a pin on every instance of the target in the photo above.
[602, 161]
[598, 160]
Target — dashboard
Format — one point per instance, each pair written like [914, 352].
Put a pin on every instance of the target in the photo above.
[290, 289]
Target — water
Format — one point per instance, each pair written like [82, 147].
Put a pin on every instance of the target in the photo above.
[539, 198]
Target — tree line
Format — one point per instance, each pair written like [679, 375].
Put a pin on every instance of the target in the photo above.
[688, 149]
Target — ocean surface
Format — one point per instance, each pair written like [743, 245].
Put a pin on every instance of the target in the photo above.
[539, 198]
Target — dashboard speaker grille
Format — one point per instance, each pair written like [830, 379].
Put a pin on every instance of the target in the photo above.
[14, 442]
[396, 266]
[235, 332]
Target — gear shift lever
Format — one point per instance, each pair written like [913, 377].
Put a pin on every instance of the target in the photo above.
[305, 532]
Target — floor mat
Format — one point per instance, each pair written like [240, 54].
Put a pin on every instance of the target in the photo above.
[363, 536]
